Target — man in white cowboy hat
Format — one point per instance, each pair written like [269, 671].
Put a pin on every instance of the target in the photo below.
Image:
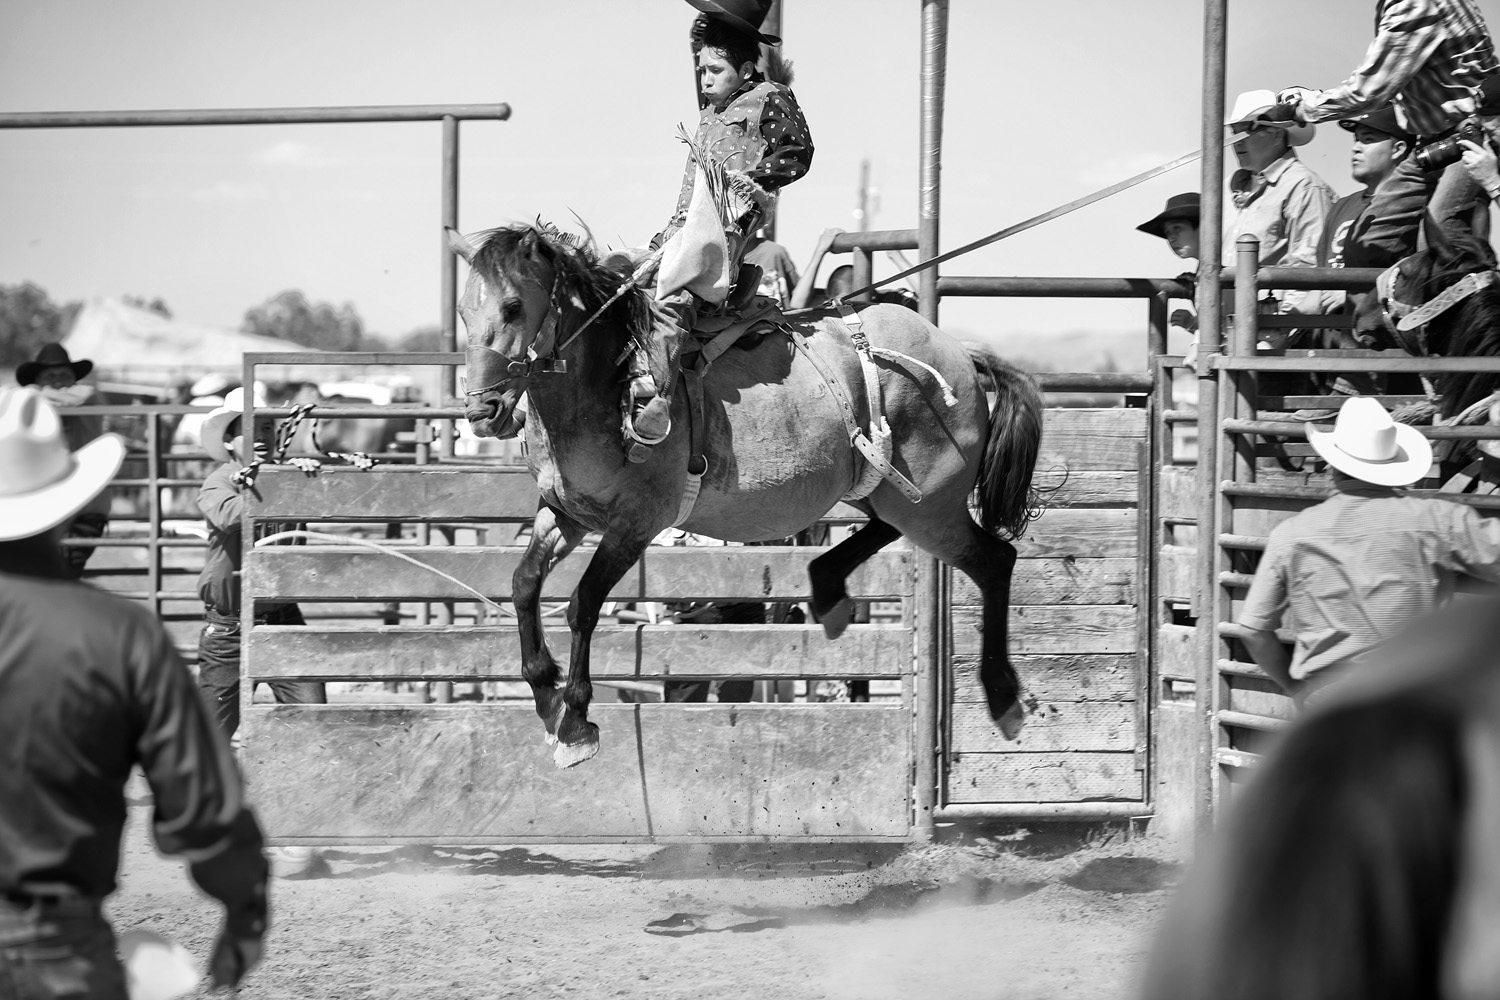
[221, 499]
[1428, 59]
[1274, 196]
[90, 687]
[1346, 574]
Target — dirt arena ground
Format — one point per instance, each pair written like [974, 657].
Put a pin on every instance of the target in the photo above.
[979, 918]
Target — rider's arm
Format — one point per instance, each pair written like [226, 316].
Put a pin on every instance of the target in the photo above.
[789, 147]
[1408, 33]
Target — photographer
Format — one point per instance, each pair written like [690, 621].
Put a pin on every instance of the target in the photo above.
[1478, 156]
[1428, 59]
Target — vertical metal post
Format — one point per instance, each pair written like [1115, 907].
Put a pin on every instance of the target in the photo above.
[1149, 610]
[448, 279]
[864, 273]
[1246, 335]
[154, 552]
[1211, 227]
[932, 626]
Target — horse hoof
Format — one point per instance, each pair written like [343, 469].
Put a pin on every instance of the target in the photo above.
[570, 755]
[1011, 722]
[550, 736]
[837, 619]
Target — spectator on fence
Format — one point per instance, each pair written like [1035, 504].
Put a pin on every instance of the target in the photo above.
[1275, 197]
[807, 295]
[59, 379]
[90, 687]
[1479, 159]
[1348, 573]
[1177, 223]
[1380, 146]
[222, 502]
[778, 274]
[1428, 58]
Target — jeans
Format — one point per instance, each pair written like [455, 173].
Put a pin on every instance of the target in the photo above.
[55, 949]
[219, 667]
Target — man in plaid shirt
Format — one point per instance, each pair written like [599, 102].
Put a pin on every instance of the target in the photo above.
[1428, 59]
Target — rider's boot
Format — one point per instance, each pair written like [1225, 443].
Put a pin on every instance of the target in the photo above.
[653, 373]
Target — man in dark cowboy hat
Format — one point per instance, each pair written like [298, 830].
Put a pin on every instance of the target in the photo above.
[60, 380]
[1177, 223]
[752, 129]
[91, 686]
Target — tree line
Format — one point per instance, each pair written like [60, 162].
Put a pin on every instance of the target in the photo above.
[30, 318]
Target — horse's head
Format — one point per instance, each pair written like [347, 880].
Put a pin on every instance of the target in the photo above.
[510, 310]
[1426, 285]
[1445, 301]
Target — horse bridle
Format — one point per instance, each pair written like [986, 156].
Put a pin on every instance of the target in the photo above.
[1408, 323]
[498, 370]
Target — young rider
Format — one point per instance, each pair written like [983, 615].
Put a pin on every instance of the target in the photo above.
[754, 128]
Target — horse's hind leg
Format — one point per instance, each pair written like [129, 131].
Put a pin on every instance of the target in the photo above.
[830, 600]
[989, 562]
[553, 536]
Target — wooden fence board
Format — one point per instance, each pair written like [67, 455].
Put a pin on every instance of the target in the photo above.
[1044, 777]
[1176, 573]
[395, 493]
[1179, 492]
[1069, 677]
[1087, 439]
[1258, 515]
[1055, 629]
[665, 573]
[1176, 652]
[445, 652]
[758, 771]
[1082, 533]
[1072, 488]
[1055, 726]
[1060, 581]
[481, 773]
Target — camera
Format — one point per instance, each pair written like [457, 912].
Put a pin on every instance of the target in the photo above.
[1437, 155]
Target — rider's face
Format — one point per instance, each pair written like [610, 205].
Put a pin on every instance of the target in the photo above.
[717, 77]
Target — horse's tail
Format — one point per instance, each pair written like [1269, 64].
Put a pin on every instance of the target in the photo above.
[1003, 490]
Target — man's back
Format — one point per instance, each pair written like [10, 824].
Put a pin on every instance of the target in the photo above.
[1359, 567]
[90, 684]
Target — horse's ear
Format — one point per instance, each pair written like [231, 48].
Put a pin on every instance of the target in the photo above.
[460, 244]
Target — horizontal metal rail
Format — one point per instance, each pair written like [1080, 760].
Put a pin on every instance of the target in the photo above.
[1076, 288]
[1313, 361]
[1136, 382]
[1244, 720]
[875, 239]
[1082, 812]
[256, 116]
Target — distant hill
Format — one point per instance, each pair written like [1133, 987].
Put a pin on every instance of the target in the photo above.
[1074, 350]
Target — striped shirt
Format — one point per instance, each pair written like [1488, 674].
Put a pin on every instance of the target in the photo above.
[1425, 53]
[1361, 566]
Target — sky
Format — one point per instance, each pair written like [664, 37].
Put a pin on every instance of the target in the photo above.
[1045, 103]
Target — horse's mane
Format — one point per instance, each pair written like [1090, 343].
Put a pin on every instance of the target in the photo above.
[584, 281]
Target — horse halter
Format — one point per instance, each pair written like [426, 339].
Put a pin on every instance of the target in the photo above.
[496, 370]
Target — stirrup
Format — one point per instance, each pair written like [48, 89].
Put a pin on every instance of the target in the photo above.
[632, 415]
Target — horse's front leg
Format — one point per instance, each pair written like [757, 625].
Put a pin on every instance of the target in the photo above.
[578, 738]
[553, 536]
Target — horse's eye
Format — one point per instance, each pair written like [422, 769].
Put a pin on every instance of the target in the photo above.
[510, 311]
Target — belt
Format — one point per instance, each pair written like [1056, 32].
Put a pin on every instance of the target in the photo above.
[21, 899]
